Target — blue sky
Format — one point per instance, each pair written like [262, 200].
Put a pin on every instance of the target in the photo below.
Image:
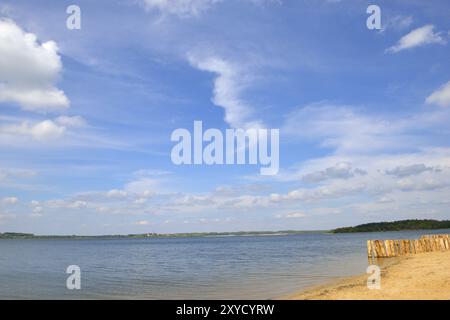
[86, 115]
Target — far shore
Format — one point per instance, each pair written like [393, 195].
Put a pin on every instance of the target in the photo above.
[424, 276]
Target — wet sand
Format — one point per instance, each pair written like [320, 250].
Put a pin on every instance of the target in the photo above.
[424, 276]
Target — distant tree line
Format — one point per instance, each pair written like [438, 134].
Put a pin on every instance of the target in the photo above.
[425, 224]
[17, 235]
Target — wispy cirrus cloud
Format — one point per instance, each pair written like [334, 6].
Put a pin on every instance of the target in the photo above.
[416, 38]
[397, 22]
[229, 83]
[441, 96]
[182, 8]
[187, 8]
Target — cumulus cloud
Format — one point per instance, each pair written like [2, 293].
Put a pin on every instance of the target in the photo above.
[29, 70]
[228, 85]
[9, 200]
[64, 204]
[115, 193]
[142, 185]
[441, 96]
[44, 130]
[143, 223]
[404, 171]
[416, 38]
[342, 170]
[291, 215]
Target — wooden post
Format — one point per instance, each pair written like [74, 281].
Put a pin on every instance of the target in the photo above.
[428, 243]
[379, 249]
[404, 247]
[375, 248]
[378, 246]
[392, 246]
[383, 249]
[438, 244]
[418, 246]
[413, 246]
[398, 248]
[388, 249]
[441, 242]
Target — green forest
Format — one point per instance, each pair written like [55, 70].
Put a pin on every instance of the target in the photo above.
[425, 224]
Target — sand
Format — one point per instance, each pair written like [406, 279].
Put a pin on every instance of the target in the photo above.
[424, 276]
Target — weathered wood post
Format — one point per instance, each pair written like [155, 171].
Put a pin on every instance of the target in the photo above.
[393, 248]
[404, 247]
[383, 249]
[387, 248]
[413, 246]
[391, 245]
[369, 249]
[377, 249]
[398, 248]
[441, 242]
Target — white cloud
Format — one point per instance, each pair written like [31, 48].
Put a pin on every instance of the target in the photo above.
[44, 130]
[351, 130]
[291, 215]
[29, 70]
[9, 200]
[77, 204]
[187, 8]
[441, 96]
[228, 85]
[143, 223]
[398, 22]
[182, 8]
[142, 185]
[15, 174]
[62, 204]
[115, 193]
[5, 217]
[331, 125]
[74, 121]
[410, 170]
[418, 37]
[342, 170]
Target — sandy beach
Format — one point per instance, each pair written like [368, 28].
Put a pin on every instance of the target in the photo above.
[424, 276]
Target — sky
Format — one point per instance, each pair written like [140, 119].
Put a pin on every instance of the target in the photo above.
[86, 115]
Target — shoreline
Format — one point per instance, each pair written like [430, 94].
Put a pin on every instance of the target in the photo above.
[424, 276]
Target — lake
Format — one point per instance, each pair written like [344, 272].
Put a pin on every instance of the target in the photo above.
[247, 267]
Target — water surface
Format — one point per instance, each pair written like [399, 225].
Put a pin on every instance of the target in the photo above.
[249, 267]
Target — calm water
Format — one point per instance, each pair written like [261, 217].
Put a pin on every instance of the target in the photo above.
[183, 268]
